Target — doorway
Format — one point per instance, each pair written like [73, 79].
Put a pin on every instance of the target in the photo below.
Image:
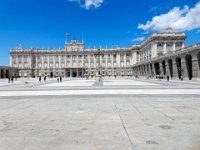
[51, 74]
[74, 74]
[179, 69]
[188, 60]
[170, 68]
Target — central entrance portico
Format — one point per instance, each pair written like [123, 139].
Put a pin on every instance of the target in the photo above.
[75, 72]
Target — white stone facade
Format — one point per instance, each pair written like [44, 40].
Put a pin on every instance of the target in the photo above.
[74, 60]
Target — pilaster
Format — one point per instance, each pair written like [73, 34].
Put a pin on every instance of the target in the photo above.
[165, 48]
[89, 65]
[112, 61]
[59, 61]
[106, 60]
[124, 59]
[174, 46]
[118, 59]
[48, 59]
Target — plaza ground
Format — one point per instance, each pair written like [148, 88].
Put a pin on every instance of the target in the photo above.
[124, 114]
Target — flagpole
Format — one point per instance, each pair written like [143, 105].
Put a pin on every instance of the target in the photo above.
[67, 34]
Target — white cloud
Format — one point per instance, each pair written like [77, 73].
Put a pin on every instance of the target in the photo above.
[178, 19]
[87, 4]
[138, 39]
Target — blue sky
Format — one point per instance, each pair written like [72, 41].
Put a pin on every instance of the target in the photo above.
[44, 23]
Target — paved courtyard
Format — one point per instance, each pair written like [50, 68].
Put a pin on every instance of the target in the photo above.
[124, 114]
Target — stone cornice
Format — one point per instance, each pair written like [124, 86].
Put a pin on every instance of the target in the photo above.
[60, 52]
[188, 49]
[164, 36]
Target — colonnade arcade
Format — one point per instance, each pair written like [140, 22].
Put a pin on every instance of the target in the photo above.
[180, 66]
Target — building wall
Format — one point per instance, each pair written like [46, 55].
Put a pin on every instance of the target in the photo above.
[146, 59]
[6, 72]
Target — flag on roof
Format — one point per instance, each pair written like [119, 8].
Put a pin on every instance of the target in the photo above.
[67, 34]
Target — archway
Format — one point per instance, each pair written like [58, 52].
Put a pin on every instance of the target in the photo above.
[2, 73]
[198, 56]
[157, 68]
[51, 74]
[188, 60]
[164, 67]
[151, 68]
[7, 73]
[179, 69]
[170, 68]
[74, 74]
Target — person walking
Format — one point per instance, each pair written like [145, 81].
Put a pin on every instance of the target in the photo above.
[45, 78]
[12, 79]
[8, 79]
[168, 78]
[60, 78]
[39, 79]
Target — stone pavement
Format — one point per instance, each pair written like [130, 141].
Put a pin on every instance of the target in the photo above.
[124, 114]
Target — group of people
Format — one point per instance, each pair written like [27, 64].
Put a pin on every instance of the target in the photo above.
[40, 79]
[10, 79]
[59, 79]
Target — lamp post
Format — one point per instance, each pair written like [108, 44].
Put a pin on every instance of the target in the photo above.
[99, 76]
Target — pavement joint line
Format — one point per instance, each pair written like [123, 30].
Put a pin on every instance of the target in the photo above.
[102, 92]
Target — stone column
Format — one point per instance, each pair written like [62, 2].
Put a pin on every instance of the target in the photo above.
[95, 63]
[156, 50]
[144, 70]
[106, 61]
[30, 62]
[112, 61]
[77, 60]
[184, 68]
[195, 69]
[89, 66]
[125, 60]
[36, 66]
[118, 59]
[167, 68]
[42, 61]
[153, 70]
[71, 61]
[82, 73]
[174, 46]
[22, 61]
[65, 61]
[77, 73]
[59, 61]
[70, 73]
[54, 62]
[161, 69]
[11, 61]
[165, 48]
[36, 61]
[100, 60]
[82, 60]
[48, 61]
[17, 61]
[148, 70]
[175, 71]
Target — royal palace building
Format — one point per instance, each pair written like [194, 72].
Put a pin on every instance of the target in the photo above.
[161, 54]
